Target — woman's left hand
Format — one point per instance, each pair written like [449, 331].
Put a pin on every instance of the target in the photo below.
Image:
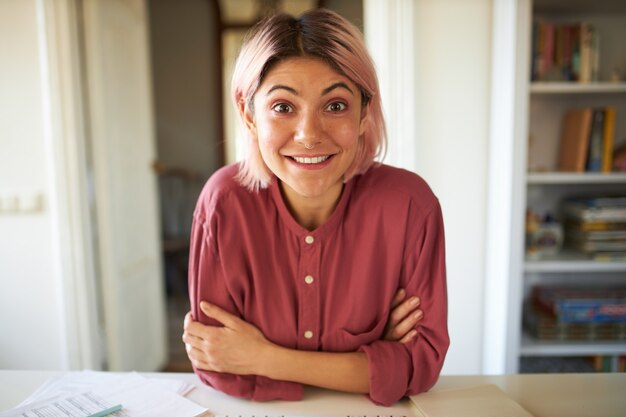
[234, 348]
[404, 316]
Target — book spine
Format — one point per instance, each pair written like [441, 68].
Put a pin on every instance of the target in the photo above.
[608, 134]
[575, 30]
[548, 50]
[594, 160]
[595, 55]
[586, 44]
[591, 311]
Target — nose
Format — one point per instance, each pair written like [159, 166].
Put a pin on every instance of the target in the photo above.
[309, 130]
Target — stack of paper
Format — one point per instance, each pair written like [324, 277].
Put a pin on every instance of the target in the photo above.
[482, 401]
[90, 392]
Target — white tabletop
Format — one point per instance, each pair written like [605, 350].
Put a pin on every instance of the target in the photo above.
[549, 395]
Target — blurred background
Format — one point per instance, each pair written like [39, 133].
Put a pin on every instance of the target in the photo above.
[114, 113]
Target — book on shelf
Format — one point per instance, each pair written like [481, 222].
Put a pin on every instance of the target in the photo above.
[576, 313]
[564, 52]
[589, 54]
[596, 226]
[593, 226]
[587, 136]
[596, 138]
[609, 256]
[596, 246]
[603, 363]
[598, 235]
[608, 134]
[543, 326]
[574, 145]
[569, 304]
[610, 209]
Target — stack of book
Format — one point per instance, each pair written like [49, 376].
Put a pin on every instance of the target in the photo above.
[587, 140]
[576, 313]
[596, 226]
[567, 52]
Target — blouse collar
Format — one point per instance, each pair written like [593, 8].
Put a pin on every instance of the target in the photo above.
[327, 227]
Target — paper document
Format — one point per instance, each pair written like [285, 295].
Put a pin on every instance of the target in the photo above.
[482, 401]
[139, 396]
[86, 404]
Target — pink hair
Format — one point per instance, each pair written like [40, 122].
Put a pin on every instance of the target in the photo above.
[318, 33]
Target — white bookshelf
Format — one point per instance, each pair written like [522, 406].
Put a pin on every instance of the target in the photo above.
[532, 347]
[539, 87]
[573, 266]
[542, 187]
[556, 178]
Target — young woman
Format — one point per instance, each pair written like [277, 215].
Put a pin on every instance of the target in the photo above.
[308, 258]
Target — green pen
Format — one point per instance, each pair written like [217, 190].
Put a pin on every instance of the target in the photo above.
[110, 410]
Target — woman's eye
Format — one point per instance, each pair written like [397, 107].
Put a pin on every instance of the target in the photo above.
[282, 108]
[336, 106]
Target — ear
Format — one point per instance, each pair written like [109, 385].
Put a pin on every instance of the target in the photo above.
[365, 111]
[245, 112]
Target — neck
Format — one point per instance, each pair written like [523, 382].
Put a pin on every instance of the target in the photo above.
[311, 212]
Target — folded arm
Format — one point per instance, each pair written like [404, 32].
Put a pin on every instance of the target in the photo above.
[240, 348]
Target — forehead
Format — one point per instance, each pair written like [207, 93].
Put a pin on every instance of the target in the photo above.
[305, 71]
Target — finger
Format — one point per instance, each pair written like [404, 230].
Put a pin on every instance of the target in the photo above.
[408, 337]
[198, 329]
[191, 340]
[406, 325]
[187, 320]
[196, 357]
[404, 309]
[217, 313]
[397, 299]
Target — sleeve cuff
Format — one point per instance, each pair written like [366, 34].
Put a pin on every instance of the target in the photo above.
[390, 369]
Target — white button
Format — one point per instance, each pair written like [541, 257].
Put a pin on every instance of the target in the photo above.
[309, 279]
[308, 334]
[309, 239]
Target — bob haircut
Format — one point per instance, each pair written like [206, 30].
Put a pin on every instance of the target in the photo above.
[321, 34]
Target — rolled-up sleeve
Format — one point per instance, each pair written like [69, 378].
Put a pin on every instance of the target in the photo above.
[208, 282]
[397, 369]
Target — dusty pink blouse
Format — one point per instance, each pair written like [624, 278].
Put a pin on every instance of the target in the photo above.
[329, 289]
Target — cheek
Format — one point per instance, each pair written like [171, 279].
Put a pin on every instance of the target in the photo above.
[346, 136]
[270, 136]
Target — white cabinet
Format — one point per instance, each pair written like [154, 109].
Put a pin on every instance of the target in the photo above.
[544, 187]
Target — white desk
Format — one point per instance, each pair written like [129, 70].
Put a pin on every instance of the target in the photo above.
[554, 395]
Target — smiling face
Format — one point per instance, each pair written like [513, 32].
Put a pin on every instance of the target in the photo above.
[307, 120]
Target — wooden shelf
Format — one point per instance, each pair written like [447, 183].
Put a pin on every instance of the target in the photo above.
[533, 347]
[577, 88]
[563, 178]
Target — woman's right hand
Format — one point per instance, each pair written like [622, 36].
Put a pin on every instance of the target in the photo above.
[404, 315]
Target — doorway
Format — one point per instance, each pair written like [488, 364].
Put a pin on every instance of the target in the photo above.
[193, 46]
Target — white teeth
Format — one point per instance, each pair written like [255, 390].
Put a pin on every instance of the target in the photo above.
[314, 160]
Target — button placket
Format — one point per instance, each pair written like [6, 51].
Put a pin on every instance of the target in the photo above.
[309, 317]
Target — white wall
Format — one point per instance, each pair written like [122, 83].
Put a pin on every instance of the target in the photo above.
[31, 331]
[443, 123]
[452, 86]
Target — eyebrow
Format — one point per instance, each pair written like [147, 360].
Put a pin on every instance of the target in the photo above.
[339, 84]
[325, 91]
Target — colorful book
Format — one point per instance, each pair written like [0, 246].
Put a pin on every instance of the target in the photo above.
[582, 305]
